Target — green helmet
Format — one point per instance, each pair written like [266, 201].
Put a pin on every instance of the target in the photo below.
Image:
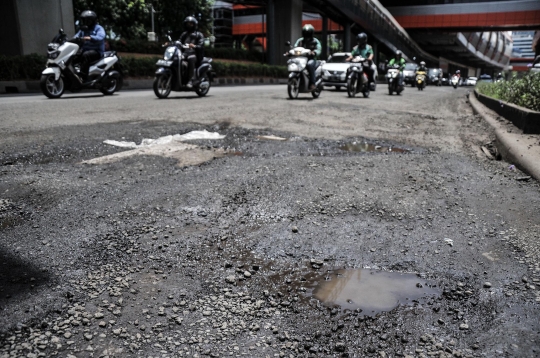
[307, 31]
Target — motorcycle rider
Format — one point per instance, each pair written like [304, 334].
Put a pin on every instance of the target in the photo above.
[366, 51]
[195, 40]
[308, 41]
[93, 35]
[400, 61]
[422, 67]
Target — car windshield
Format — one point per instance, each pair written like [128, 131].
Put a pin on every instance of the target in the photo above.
[472, 78]
[410, 67]
[433, 71]
[485, 77]
[338, 59]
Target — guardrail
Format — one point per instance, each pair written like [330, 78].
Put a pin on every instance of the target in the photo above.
[377, 20]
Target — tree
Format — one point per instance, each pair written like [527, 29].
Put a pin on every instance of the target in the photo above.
[126, 18]
[171, 14]
[131, 19]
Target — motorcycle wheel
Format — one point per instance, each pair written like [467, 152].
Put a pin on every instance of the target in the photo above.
[366, 93]
[162, 85]
[110, 87]
[351, 86]
[390, 92]
[50, 87]
[293, 88]
[203, 92]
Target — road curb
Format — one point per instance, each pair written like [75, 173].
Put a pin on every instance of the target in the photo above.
[513, 147]
[525, 119]
[137, 84]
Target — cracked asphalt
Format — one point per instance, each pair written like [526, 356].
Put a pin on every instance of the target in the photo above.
[244, 246]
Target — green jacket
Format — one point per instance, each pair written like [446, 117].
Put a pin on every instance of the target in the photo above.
[313, 45]
[364, 52]
[401, 63]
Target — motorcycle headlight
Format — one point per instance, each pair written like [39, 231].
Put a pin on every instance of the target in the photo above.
[53, 55]
[169, 53]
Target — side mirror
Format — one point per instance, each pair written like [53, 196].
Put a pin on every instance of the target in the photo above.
[329, 58]
[288, 43]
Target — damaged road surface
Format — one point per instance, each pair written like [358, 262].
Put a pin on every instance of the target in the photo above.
[330, 228]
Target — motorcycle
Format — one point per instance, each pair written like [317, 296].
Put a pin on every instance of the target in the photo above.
[420, 80]
[357, 79]
[454, 81]
[64, 72]
[299, 74]
[392, 77]
[172, 73]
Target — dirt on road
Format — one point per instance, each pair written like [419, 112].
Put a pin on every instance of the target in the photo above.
[333, 227]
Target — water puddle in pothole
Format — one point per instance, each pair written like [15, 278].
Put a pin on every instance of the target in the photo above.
[366, 148]
[371, 291]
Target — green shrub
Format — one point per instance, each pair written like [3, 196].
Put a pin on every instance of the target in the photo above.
[156, 48]
[30, 67]
[27, 67]
[524, 92]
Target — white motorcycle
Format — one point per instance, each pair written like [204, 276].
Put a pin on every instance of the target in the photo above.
[64, 72]
[392, 77]
[454, 81]
[299, 74]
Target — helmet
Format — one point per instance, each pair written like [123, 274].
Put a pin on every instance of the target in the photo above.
[422, 63]
[190, 23]
[307, 31]
[88, 20]
[458, 72]
[399, 54]
[361, 38]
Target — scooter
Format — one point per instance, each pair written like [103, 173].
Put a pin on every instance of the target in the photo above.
[172, 73]
[299, 74]
[64, 72]
[454, 81]
[421, 80]
[392, 77]
[357, 78]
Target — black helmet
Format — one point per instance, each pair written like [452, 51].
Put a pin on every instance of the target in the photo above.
[399, 54]
[361, 38]
[307, 31]
[88, 20]
[190, 23]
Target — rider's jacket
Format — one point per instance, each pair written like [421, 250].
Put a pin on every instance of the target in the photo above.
[194, 37]
[97, 34]
[401, 62]
[313, 45]
[364, 52]
[421, 68]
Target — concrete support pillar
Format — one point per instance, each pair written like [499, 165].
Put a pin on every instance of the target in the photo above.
[324, 39]
[347, 38]
[27, 26]
[375, 45]
[285, 27]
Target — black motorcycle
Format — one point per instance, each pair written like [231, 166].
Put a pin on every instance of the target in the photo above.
[172, 73]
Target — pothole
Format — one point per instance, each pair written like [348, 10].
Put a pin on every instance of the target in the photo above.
[368, 290]
[366, 147]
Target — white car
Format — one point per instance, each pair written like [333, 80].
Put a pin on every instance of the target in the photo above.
[335, 70]
[471, 81]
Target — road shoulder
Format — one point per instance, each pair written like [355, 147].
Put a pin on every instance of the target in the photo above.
[522, 150]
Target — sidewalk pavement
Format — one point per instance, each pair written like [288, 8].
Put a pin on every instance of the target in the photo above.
[137, 84]
[522, 150]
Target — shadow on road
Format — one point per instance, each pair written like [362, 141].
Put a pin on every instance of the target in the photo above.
[18, 277]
